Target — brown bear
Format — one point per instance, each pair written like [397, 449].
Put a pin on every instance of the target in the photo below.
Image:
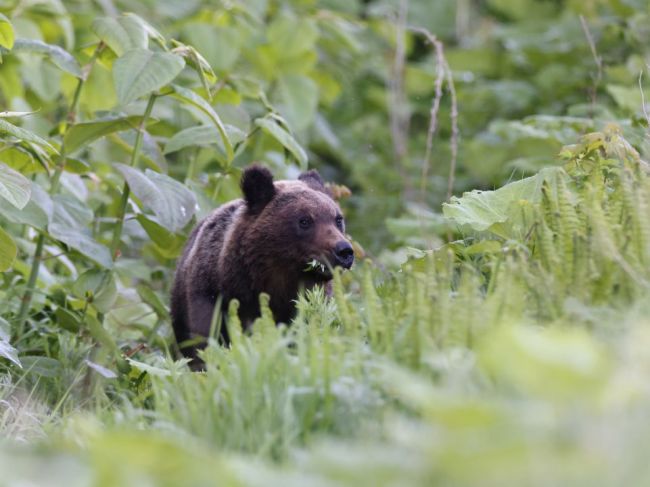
[281, 237]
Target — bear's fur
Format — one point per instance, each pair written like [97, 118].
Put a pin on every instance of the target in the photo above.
[263, 242]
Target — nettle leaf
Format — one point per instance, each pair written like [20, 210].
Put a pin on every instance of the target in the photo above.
[24, 135]
[498, 211]
[82, 134]
[192, 98]
[6, 32]
[121, 34]
[139, 72]
[202, 135]
[8, 251]
[70, 223]
[171, 202]
[14, 187]
[284, 138]
[59, 56]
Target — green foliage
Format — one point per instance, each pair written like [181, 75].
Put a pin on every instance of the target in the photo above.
[503, 329]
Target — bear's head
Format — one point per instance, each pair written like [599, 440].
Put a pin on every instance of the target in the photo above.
[297, 226]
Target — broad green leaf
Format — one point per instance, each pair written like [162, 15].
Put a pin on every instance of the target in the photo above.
[100, 334]
[149, 296]
[171, 202]
[290, 36]
[59, 56]
[497, 211]
[150, 369]
[8, 251]
[70, 223]
[82, 134]
[148, 28]
[6, 33]
[140, 72]
[14, 187]
[192, 98]
[299, 96]
[169, 244]
[284, 138]
[5, 329]
[121, 34]
[67, 320]
[202, 135]
[24, 135]
[99, 286]
[36, 213]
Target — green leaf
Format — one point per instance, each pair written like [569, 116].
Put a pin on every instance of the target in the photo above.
[202, 135]
[24, 135]
[151, 298]
[171, 202]
[299, 95]
[291, 37]
[82, 134]
[67, 320]
[499, 210]
[169, 244]
[100, 334]
[139, 72]
[14, 187]
[99, 287]
[37, 213]
[198, 63]
[121, 34]
[8, 251]
[192, 98]
[70, 223]
[101, 370]
[9, 352]
[6, 33]
[59, 56]
[284, 138]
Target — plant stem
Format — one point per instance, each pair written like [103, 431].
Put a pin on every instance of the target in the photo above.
[54, 188]
[119, 225]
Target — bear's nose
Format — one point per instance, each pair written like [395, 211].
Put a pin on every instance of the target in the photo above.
[344, 254]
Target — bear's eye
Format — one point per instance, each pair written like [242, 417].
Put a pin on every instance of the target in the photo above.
[304, 223]
[339, 222]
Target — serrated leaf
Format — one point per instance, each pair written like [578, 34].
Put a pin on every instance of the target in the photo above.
[140, 72]
[70, 225]
[121, 34]
[59, 56]
[171, 202]
[82, 134]
[8, 251]
[24, 135]
[192, 98]
[14, 187]
[6, 33]
[284, 138]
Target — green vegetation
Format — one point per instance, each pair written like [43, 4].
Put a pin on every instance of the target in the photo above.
[495, 337]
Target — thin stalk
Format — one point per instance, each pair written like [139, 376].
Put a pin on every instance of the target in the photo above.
[119, 225]
[54, 188]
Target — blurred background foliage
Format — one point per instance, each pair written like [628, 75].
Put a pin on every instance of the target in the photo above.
[496, 337]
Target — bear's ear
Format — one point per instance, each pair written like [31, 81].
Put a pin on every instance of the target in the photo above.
[257, 186]
[314, 181]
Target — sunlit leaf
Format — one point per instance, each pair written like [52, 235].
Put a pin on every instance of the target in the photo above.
[24, 135]
[6, 33]
[171, 202]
